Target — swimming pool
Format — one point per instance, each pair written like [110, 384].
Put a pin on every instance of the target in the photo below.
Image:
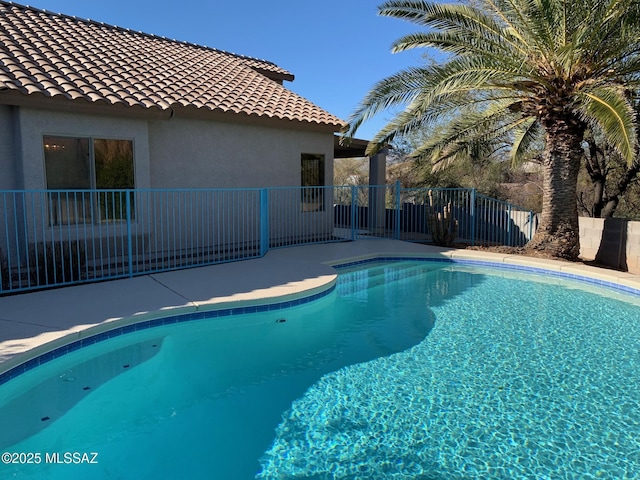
[404, 370]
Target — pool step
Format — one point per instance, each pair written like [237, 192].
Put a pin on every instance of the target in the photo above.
[37, 407]
[377, 274]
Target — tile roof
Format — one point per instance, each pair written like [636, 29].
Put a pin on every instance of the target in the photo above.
[58, 56]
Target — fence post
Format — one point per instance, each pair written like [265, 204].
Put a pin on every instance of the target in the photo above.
[264, 221]
[530, 225]
[129, 233]
[354, 216]
[509, 226]
[472, 213]
[398, 210]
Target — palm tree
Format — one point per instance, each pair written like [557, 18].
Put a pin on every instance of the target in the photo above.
[516, 69]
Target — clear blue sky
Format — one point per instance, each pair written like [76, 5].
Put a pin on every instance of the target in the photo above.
[337, 49]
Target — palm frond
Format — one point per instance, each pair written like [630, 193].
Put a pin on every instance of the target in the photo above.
[455, 17]
[512, 15]
[398, 89]
[419, 117]
[454, 42]
[473, 127]
[525, 134]
[433, 84]
[611, 110]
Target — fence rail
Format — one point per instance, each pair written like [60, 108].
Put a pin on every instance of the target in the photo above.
[62, 237]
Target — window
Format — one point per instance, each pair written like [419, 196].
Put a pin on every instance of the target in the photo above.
[312, 182]
[86, 163]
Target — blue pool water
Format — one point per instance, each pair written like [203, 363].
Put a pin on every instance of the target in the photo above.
[406, 370]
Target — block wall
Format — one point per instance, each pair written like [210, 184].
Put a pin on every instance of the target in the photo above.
[612, 242]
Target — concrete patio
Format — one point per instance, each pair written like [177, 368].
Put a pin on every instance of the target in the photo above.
[34, 323]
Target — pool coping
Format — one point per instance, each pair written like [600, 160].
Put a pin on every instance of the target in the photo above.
[64, 345]
[320, 268]
[619, 281]
[42, 349]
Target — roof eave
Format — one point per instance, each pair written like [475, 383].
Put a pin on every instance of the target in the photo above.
[60, 103]
[179, 111]
[278, 77]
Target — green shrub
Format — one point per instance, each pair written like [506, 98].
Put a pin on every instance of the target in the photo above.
[57, 262]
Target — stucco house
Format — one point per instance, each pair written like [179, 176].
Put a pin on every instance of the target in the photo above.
[188, 115]
[90, 106]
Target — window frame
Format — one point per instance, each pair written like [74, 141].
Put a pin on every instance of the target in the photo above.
[71, 205]
[313, 186]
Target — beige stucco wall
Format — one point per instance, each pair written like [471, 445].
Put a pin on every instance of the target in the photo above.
[29, 126]
[169, 153]
[192, 153]
[8, 175]
[182, 153]
[34, 124]
[613, 242]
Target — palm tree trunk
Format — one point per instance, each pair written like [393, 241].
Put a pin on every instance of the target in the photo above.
[558, 232]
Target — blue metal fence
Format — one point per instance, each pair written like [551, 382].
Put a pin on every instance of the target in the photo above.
[390, 211]
[62, 237]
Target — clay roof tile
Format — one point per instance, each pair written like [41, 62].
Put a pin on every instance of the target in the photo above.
[54, 54]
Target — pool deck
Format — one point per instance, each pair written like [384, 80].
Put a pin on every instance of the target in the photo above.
[34, 323]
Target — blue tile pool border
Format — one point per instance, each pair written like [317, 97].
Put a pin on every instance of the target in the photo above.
[497, 265]
[241, 310]
[153, 323]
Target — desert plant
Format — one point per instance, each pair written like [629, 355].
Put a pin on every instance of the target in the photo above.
[441, 222]
[56, 262]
